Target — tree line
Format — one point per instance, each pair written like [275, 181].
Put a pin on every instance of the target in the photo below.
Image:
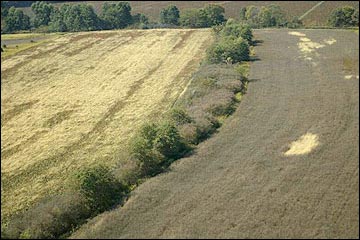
[82, 17]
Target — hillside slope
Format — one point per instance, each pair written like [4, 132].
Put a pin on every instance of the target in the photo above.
[75, 101]
[284, 165]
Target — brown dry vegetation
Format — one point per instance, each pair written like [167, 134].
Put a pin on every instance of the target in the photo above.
[77, 99]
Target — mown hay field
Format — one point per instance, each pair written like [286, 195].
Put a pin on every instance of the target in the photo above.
[77, 99]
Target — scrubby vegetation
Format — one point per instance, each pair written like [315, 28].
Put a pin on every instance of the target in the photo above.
[156, 145]
[344, 17]
[91, 191]
[232, 45]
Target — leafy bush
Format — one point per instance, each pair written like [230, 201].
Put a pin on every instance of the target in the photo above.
[99, 187]
[169, 143]
[209, 16]
[344, 17]
[229, 49]
[156, 146]
[269, 16]
[238, 30]
[170, 15]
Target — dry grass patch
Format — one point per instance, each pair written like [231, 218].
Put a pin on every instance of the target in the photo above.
[305, 144]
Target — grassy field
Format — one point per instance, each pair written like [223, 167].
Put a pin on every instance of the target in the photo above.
[77, 99]
[232, 8]
[285, 165]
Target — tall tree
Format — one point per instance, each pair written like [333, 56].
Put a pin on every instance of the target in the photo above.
[16, 20]
[42, 12]
[116, 15]
[170, 15]
[343, 17]
[215, 14]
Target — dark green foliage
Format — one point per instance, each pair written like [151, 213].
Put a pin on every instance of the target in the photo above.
[42, 12]
[116, 16]
[16, 20]
[194, 18]
[269, 16]
[79, 17]
[170, 15]
[238, 30]
[168, 141]
[19, 3]
[100, 188]
[229, 49]
[209, 16]
[4, 9]
[344, 17]
[242, 16]
[156, 146]
[215, 14]
[140, 18]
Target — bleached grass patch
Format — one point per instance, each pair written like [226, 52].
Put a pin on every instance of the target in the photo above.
[299, 34]
[305, 144]
[309, 47]
[330, 41]
[304, 39]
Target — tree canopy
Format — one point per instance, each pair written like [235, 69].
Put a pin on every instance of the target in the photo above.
[344, 17]
[170, 15]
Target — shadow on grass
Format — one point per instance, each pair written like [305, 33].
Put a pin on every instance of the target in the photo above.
[254, 80]
[258, 42]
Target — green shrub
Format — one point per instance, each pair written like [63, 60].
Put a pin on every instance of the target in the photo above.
[142, 149]
[208, 16]
[170, 15]
[344, 17]
[156, 146]
[168, 142]
[99, 187]
[229, 49]
[238, 30]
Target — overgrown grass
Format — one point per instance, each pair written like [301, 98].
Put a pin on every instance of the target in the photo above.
[10, 50]
[21, 36]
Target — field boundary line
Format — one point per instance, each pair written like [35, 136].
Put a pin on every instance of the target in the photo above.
[310, 10]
